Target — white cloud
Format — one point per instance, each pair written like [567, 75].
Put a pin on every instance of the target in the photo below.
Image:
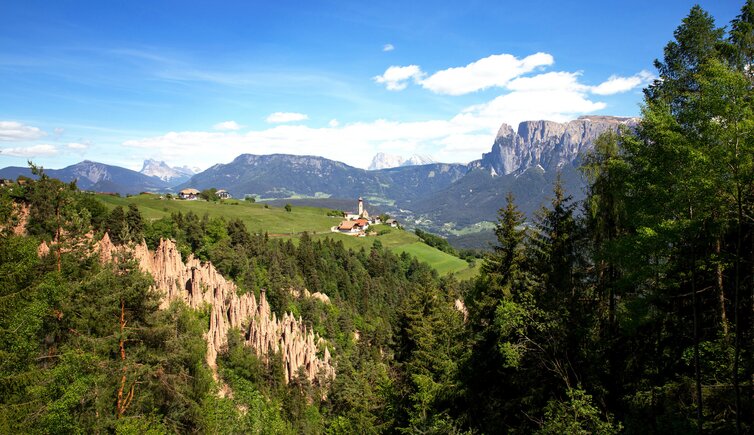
[396, 78]
[616, 84]
[492, 71]
[550, 96]
[16, 131]
[552, 81]
[77, 146]
[227, 125]
[518, 106]
[388, 47]
[526, 93]
[32, 151]
[282, 117]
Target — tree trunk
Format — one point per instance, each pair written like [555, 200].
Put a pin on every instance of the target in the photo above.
[720, 289]
[123, 403]
[697, 369]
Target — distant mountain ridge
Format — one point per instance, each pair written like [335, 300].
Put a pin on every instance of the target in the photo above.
[525, 162]
[97, 177]
[445, 198]
[278, 176]
[387, 161]
[160, 169]
[547, 144]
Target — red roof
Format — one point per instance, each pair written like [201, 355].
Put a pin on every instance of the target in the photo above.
[362, 222]
[347, 225]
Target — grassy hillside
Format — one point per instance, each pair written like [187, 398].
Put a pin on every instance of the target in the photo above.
[279, 223]
[274, 220]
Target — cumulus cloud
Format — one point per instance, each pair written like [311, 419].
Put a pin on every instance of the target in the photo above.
[16, 131]
[556, 96]
[227, 125]
[282, 117]
[515, 107]
[42, 150]
[396, 78]
[77, 146]
[388, 47]
[526, 93]
[551, 81]
[492, 71]
[616, 84]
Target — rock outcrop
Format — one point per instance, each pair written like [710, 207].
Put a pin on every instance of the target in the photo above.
[199, 284]
[547, 144]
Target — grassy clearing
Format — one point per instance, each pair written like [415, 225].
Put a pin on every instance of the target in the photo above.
[258, 219]
[279, 223]
[444, 263]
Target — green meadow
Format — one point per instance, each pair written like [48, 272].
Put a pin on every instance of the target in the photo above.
[277, 222]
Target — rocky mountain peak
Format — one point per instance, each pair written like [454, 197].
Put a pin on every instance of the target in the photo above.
[547, 144]
[387, 161]
[505, 131]
[419, 159]
[92, 171]
[161, 170]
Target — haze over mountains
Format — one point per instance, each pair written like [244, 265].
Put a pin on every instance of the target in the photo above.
[451, 199]
[161, 170]
[387, 161]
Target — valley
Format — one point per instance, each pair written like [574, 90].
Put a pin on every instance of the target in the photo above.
[363, 218]
[459, 201]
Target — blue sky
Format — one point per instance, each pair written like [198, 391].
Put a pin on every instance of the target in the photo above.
[197, 82]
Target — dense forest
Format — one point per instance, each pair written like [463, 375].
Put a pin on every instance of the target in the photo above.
[630, 312]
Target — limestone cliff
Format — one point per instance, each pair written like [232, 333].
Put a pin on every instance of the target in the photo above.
[545, 143]
[199, 284]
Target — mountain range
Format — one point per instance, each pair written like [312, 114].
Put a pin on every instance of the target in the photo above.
[97, 177]
[451, 199]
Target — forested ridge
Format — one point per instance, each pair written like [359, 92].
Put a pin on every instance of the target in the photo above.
[629, 312]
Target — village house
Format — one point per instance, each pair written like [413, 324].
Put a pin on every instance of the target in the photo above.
[350, 227]
[223, 194]
[392, 222]
[188, 194]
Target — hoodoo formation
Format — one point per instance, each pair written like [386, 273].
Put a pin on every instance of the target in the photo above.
[198, 283]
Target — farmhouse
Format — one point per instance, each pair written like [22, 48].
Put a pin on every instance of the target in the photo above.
[188, 194]
[223, 194]
[392, 222]
[351, 227]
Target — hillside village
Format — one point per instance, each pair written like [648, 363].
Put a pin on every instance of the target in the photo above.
[193, 194]
[357, 223]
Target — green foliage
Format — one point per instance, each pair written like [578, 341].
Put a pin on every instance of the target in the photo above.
[643, 299]
[209, 195]
[577, 415]
[288, 208]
